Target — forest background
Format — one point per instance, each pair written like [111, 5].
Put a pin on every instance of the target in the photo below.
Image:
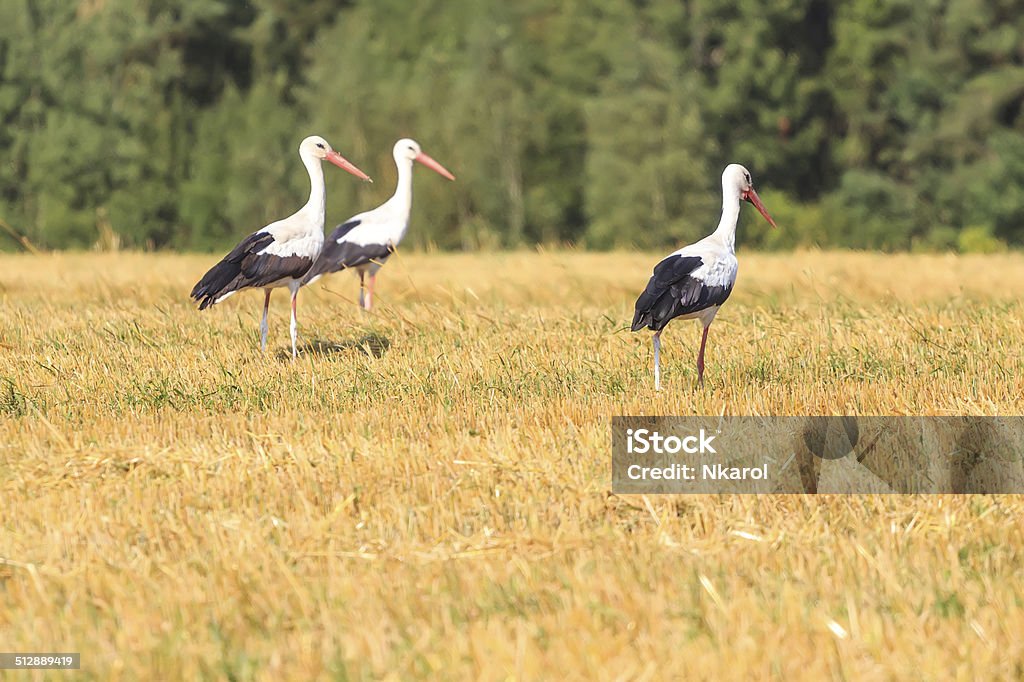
[162, 124]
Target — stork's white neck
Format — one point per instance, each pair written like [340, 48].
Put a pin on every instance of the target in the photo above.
[726, 231]
[400, 203]
[402, 197]
[317, 203]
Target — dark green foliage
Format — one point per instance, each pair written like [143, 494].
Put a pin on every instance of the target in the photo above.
[172, 124]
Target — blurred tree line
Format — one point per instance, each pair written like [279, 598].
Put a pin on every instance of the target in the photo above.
[174, 124]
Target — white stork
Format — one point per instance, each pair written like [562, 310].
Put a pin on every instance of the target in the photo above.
[279, 254]
[696, 280]
[364, 242]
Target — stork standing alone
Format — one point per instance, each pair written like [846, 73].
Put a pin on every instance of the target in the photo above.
[279, 254]
[364, 242]
[696, 280]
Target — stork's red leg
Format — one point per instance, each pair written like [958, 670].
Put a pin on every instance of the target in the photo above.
[657, 360]
[369, 291]
[700, 356]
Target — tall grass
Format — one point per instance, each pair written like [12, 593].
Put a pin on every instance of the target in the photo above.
[426, 490]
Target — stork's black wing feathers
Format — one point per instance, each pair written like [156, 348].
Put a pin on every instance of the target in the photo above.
[339, 256]
[246, 266]
[260, 269]
[343, 229]
[220, 276]
[673, 291]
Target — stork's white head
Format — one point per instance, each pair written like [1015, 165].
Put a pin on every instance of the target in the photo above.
[736, 181]
[407, 151]
[316, 147]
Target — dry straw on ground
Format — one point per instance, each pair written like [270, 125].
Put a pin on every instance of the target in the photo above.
[425, 492]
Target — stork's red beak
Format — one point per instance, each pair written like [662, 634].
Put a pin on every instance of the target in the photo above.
[343, 163]
[751, 196]
[434, 165]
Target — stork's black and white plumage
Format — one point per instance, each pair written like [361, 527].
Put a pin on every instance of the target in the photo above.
[696, 280]
[279, 254]
[363, 242]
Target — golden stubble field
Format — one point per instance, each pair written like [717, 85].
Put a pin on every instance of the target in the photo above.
[425, 492]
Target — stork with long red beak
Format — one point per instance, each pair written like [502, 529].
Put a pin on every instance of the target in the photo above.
[279, 254]
[364, 242]
[696, 280]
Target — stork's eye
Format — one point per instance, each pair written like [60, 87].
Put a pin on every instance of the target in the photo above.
[320, 145]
